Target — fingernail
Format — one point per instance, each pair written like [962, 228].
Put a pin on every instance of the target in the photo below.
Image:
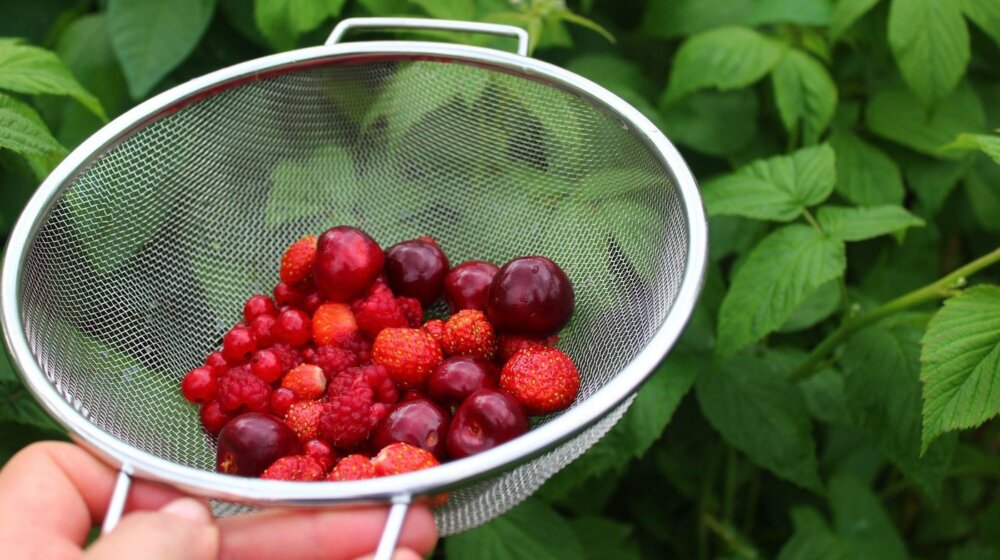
[188, 508]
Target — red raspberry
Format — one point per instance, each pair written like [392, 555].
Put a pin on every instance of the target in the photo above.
[469, 333]
[353, 467]
[412, 310]
[381, 384]
[332, 321]
[199, 385]
[213, 418]
[306, 381]
[398, 458]
[300, 468]
[293, 328]
[281, 401]
[347, 380]
[239, 388]
[217, 363]
[239, 344]
[303, 417]
[321, 451]
[408, 354]
[308, 354]
[266, 365]
[285, 295]
[256, 306]
[297, 262]
[378, 310]
[435, 327]
[509, 344]
[289, 357]
[346, 420]
[356, 343]
[263, 329]
[544, 380]
[333, 360]
[378, 413]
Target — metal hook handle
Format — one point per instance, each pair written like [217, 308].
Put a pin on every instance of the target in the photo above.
[393, 527]
[435, 24]
[117, 503]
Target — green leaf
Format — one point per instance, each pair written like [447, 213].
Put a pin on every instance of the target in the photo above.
[961, 363]
[777, 188]
[982, 185]
[856, 224]
[803, 12]
[932, 180]
[778, 275]
[283, 21]
[804, 92]
[670, 19]
[17, 405]
[988, 144]
[861, 522]
[718, 123]
[930, 42]
[825, 399]
[23, 131]
[846, 13]
[758, 411]
[462, 10]
[153, 38]
[725, 58]
[302, 190]
[530, 530]
[896, 114]
[31, 70]
[818, 306]
[865, 174]
[604, 538]
[985, 14]
[813, 539]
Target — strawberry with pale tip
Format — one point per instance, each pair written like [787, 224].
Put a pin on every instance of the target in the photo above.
[332, 322]
[306, 381]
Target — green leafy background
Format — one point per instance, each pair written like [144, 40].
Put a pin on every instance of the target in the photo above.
[835, 394]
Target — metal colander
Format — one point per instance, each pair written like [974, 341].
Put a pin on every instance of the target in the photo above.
[137, 252]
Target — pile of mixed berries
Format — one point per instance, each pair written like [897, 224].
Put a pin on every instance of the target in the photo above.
[339, 377]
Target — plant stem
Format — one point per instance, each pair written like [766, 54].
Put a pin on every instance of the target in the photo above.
[811, 219]
[945, 287]
[731, 539]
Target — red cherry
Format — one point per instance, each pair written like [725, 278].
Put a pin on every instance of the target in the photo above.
[213, 418]
[199, 385]
[256, 306]
[347, 262]
[530, 295]
[217, 363]
[266, 365]
[420, 423]
[263, 328]
[281, 400]
[239, 344]
[416, 269]
[249, 443]
[467, 285]
[485, 420]
[293, 327]
[456, 378]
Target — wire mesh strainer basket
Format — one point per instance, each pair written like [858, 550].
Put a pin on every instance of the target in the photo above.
[135, 254]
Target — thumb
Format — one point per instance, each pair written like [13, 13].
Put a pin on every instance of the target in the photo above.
[180, 530]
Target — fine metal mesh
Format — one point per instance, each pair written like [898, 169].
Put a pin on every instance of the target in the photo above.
[145, 258]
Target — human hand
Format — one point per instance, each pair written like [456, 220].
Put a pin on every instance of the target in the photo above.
[52, 494]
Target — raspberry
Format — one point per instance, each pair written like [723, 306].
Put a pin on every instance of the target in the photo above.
[293, 328]
[356, 343]
[239, 344]
[289, 357]
[321, 451]
[332, 321]
[378, 413]
[213, 418]
[240, 388]
[469, 333]
[285, 294]
[306, 381]
[409, 355]
[544, 380]
[301, 468]
[349, 379]
[199, 385]
[308, 354]
[381, 384]
[263, 328]
[412, 310]
[435, 327]
[346, 420]
[509, 344]
[353, 467]
[297, 262]
[256, 306]
[398, 458]
[281, 401]
[217, 363]
[378, 310]
[303, 417]
[266, 365]
[333, 360]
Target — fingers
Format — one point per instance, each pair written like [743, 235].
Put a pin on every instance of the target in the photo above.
[181, 530]
[399, 554]
[335, 534]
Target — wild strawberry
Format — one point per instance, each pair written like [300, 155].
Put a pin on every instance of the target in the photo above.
[303, 417]
[300, 468]
[398, 458]
[199, 385]
[509, 344]
[469, 333]
[412, 310]
[435, 327]
[346, 420]
[544, 380]
[306, 381]
[409, 355]
[239, 388]
[332, 321]
[297, 262]
[378, 310]
[353, 467]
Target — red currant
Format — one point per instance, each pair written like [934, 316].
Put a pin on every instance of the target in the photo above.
[293, 327]
[263, 328]
[217, 363]
[256, 306]
[239, 344]
[199, 385]
[281, 400]
[213, 418]
[266, 365]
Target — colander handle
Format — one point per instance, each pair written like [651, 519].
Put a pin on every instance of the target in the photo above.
[393, 527]
[435, 24]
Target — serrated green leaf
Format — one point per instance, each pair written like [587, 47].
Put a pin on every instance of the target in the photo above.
[846, 13]
[300, 190]
[758, 411]
[861, 522]
[577, 19]
[612, 71]
[725, 58]
[813, 539]
[896, 114]
[603, 538]
[856, 224]
[932, 180]
[31, 70]
[530, 530]
[988, 144]
[961, 363]
[718, 123]
[803, 12]
[865, 174]
[804, 93]
[23, 131]
[818, 306]
[153, 38]
[461, 10]
[777, 188]
[17, 405]
[930, 42]
[679, 18]
[825, 398]
[283, 21]
[982, 185]
[783, 270]
[985, 14]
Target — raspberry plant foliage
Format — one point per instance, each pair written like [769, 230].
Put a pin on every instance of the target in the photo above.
[835, 393]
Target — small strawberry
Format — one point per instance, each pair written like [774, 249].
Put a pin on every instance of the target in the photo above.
[544, 380]
[297, 262]
[299, 468]
[469, 333]
[398, 458]
[509, 344]
[436, 329]
[331, 321]
[303, 417]
[409, 355]
[353, 467]
[306, 381]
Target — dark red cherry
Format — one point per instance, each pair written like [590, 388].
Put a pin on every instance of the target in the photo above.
[467, 285]
[416, 269]
[530, 295]
[347, 262]
[249, 443]
[458, 377]
[420, 423]
[485, 420]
